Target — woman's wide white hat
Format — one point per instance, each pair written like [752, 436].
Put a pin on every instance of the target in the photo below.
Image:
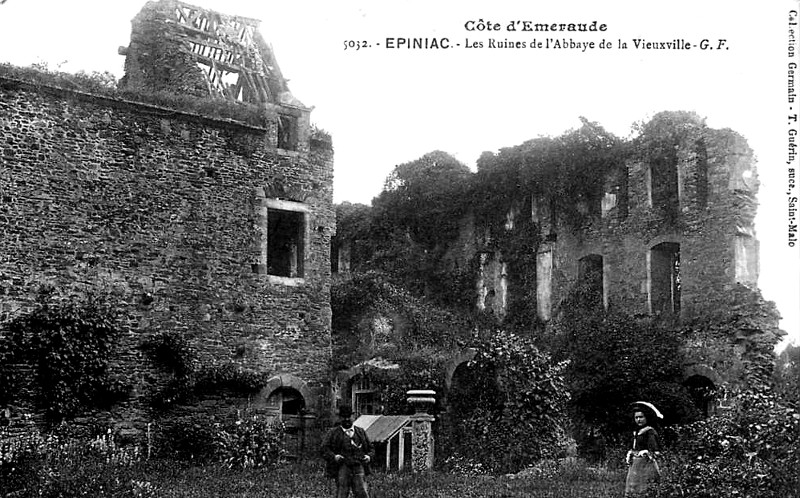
[649, 406]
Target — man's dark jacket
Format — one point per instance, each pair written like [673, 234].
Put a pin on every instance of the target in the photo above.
[336, 442]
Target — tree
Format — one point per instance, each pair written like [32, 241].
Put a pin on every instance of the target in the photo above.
[414, 218]
[616, 360]
[423, 198]
[786, 377]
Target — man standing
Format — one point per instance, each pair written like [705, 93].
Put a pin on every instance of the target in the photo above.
[347, 452]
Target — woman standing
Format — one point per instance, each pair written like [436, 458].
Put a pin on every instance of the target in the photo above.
[642, 458]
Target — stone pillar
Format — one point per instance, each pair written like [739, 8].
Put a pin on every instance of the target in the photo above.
[421, 433]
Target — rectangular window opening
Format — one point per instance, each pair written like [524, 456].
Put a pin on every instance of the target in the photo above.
[664, 186]
[285, 243]
[287, 132]
[746, 259]
[665, 278]
[590, 279]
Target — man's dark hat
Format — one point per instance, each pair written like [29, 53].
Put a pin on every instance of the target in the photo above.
[345, 411]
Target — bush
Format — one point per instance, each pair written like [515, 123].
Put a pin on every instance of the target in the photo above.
[248, 440]
[786, 376]
[189, 438]
[753, 449]
[614, 361]
[251, 441]
[33, 464]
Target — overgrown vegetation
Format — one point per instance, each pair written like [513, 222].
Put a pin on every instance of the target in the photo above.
[508, 406]
[374, 317]
[246, 440]
[786, 377]
[105, 85]
[752, 449]
[53, 466]
[188, 379]
[66, 342]
[614, 361]
[567, 171]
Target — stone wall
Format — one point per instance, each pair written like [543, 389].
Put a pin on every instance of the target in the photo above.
[706, 230]
[167, 211]
[705, 216]
[713, 221]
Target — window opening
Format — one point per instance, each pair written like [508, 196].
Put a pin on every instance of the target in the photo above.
[285, 248]
[365, 396]
[287, 132]
[665, 278]
[287, 401]
[664, 186]
[702, 392]
[746, 258]
[590, 279]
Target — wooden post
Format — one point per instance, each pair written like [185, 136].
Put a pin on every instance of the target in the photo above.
[401, 450]
[388, 453]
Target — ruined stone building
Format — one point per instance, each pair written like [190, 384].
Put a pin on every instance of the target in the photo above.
[668, 238]
[213, 228]
[664, 233]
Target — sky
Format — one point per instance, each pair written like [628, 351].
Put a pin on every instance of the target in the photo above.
[384, 107]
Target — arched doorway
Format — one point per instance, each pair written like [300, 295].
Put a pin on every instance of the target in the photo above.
[287, 401]
[473, 392]
[703, 393]
[288, 398]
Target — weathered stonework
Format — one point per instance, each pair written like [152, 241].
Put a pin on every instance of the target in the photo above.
[633, 240]
[171, 212]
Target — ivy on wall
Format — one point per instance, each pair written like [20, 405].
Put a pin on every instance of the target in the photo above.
[105, 85]
[746, 319]
[509, 406]
[413, 323]
[67, 343]
[174, 354]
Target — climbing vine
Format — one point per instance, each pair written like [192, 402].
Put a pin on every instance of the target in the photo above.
[374, 317]
[514, 414]
[174, 354]
[67, 343]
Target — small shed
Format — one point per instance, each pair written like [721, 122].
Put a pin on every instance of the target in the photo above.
[391, 435]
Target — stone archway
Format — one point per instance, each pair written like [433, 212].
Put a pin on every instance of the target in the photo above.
[453, 364]
[288, 398]
[702, 382]
[294, 389]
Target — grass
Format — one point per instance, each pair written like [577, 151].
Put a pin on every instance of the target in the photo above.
[51, 466]
[173, 481]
